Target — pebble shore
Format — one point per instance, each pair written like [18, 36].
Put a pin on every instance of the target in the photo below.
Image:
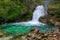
[34, 34]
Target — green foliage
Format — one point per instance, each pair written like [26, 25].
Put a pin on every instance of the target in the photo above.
[55, 6]
[58, 14]
[22, 9]
[10, 9]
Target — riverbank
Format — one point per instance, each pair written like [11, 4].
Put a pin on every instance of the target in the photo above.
[34, 34]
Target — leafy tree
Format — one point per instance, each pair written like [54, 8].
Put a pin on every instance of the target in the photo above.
[10, 9]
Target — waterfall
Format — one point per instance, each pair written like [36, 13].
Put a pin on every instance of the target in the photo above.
[38, 12]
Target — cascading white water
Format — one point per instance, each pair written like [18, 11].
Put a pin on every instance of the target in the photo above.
[38, 12]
